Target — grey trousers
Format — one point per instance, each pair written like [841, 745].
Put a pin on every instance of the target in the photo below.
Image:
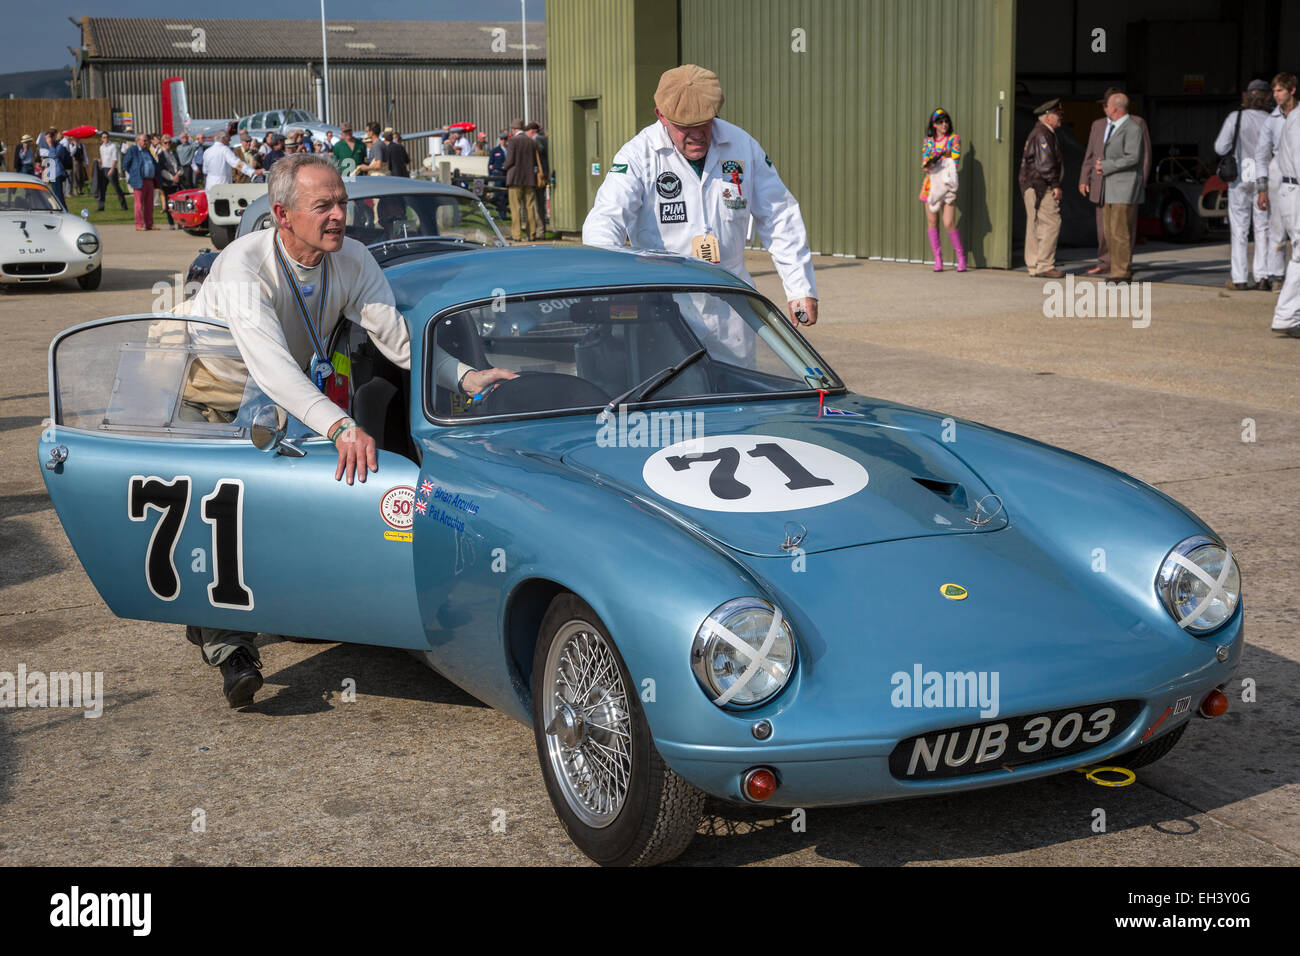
[217, 644]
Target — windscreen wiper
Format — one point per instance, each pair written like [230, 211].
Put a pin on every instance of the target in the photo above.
[642, 390]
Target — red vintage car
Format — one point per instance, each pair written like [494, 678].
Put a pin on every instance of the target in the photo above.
[189, 208]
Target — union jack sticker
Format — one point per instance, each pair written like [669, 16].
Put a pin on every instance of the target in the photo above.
[421, 506]
[426, 488]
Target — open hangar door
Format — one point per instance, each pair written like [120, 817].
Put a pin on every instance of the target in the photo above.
[1183, 64]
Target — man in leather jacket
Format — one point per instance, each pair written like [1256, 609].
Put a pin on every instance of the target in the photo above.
[1041, 166]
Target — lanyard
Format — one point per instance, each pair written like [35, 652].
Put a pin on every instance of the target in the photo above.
[321, 368]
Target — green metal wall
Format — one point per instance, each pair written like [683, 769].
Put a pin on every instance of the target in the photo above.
[843, 121]
[613, 51]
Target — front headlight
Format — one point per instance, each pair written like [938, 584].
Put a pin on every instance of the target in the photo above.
[88, 242]
[1199, 584]
[744, 653]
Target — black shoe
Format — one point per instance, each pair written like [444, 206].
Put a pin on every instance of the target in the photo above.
[1241, 286]
[240, 670]
[1263, 285]
[1291, 332]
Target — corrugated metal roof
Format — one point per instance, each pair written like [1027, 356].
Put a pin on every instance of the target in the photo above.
[174, 39]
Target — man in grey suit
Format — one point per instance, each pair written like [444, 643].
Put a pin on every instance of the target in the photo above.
[1090, 181]
[1125, 186]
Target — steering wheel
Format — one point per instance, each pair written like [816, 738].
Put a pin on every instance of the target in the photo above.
[540, 392]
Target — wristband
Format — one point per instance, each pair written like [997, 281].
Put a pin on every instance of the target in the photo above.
[340, 428]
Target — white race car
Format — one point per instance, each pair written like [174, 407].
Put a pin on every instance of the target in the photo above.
[41, 241]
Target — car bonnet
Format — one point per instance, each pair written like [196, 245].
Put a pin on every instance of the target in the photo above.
[767, 477]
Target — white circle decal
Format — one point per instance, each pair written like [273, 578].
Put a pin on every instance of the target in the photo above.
[752, 473]
[397, 507]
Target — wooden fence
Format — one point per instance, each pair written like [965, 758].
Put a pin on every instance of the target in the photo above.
[36, 116]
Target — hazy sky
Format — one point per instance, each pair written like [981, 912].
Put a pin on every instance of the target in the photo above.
[40, 39]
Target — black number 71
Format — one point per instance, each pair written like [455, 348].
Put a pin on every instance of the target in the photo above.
[223, 510]
[722, 479]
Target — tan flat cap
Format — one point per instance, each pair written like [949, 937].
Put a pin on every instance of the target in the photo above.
[689, 95]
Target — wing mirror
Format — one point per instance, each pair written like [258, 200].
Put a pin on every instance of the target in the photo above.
[267, 431]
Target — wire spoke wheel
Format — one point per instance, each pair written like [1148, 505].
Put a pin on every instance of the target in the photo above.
[588, 724]
[611, 790]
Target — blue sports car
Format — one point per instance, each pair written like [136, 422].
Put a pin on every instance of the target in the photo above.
[675, 544]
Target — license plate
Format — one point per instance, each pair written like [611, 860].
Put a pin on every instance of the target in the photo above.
[1005, 744]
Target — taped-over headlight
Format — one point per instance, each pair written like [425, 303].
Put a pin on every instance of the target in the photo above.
[744, 653]
[88, 242]
[1199, 584]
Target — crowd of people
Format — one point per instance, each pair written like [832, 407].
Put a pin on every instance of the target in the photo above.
[1259, 160]
[158, 165]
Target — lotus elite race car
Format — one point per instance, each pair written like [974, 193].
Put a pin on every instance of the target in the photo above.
[40, 241]
[675, 544]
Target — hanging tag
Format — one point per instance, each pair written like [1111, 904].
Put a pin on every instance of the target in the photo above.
[321, 370]
[706, 247]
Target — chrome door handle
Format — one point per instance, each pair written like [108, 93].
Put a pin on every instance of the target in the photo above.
[58, 455]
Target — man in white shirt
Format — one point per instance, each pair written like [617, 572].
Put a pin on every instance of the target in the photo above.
[1284, 95]
[218, 160]
[110, 154]
[281, 291]
[690, 183]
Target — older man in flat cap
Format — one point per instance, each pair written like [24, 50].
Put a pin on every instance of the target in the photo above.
[690, 182]
[1041, 166]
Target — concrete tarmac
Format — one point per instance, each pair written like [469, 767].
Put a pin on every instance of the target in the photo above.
[416, 771]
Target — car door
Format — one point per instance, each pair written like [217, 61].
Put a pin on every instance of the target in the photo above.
[176, 516]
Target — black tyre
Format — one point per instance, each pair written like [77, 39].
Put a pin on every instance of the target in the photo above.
[1179, 220]
[618, 801]
[91, 280]
[220, 235]
[1150, 753]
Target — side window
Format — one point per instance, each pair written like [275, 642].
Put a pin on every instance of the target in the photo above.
[256, 122]
[158, 376]
[273, 120]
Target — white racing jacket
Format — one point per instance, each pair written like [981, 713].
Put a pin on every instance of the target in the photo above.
[652, 198]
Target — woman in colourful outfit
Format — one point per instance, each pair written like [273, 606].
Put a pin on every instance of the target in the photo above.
[940, 156]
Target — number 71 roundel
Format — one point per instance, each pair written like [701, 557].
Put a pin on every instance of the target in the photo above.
[752, 473]
[223, 510]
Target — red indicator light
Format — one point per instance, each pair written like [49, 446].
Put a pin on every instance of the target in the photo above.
[1214, 705]
[759, 784]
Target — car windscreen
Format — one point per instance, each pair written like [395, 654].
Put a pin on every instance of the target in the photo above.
[410, 215]
[23, 197]
[582, 351]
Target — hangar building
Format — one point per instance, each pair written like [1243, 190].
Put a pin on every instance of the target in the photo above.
[411, 75]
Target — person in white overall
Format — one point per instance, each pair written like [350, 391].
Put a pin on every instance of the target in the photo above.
[689, 184]
[1286, 317]
[1284, 95]
[1239, 137]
